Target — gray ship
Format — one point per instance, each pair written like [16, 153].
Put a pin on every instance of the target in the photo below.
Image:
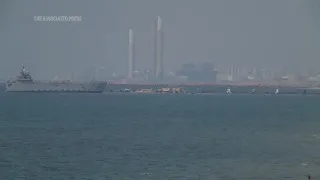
[25, 83]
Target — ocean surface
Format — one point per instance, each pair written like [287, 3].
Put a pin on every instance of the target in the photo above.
[158, 137]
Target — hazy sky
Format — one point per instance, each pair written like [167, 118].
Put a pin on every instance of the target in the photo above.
[258, 32]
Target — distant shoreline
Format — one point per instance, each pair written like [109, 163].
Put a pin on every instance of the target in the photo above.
[208, 88]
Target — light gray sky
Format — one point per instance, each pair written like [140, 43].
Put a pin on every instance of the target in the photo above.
[260, 32]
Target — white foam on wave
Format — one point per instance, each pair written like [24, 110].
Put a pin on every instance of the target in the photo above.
[316, 136]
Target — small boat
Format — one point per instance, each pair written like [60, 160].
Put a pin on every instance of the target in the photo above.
[229, 91]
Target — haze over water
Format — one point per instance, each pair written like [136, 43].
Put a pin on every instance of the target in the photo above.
[264, 34]
[112, 136]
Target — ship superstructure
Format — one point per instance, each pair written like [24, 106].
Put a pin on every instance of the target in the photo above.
[25, 83]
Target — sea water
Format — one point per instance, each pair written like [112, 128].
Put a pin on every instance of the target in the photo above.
[158, 137]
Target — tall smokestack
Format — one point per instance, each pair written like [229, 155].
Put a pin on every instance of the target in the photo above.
[158, 62]
[230, 73]
[130, 55]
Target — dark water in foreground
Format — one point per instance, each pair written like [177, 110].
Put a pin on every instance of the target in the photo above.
[158, 137]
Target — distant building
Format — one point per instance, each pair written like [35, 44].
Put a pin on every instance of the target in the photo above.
[222, 77]
[206, 73]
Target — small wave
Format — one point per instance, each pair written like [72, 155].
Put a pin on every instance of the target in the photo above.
[145, 173]
[316, 136]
